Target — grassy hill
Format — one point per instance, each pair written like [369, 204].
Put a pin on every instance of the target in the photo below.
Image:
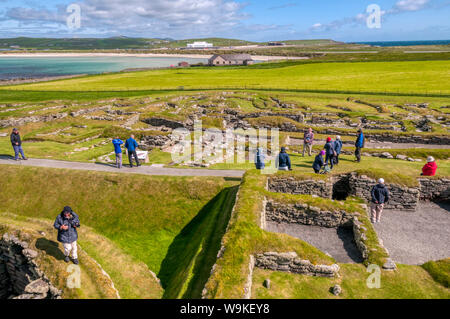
[154, 220]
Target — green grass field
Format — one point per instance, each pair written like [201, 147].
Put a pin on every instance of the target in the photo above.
[396, 77]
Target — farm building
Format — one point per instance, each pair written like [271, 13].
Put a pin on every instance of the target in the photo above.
[231, 59]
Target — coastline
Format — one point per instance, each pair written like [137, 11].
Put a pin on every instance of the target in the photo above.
[138, 55]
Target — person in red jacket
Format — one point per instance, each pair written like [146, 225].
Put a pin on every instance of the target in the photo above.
[430, 167]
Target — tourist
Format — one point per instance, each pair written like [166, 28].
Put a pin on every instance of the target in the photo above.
[359, 144]
[337, 149]
[259, 158]
[318, 162]
[131, 146]
[67, 223]
[118, 151]
[16, 142]
[308, 139]
[330, 153]
[380, 196]
[430, 167]
[284, 161]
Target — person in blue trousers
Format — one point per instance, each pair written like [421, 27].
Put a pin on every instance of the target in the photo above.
[131, 145]
[16, 143]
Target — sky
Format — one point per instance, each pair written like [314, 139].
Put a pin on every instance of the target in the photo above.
[253, 20]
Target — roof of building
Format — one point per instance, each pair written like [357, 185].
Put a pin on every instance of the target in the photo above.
[233, 57]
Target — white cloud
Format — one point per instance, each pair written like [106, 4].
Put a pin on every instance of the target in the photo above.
[143, 17]
[400, 6]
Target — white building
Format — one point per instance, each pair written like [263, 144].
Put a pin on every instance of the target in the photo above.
[197, 45]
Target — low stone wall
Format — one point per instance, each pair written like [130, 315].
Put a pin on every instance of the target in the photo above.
[20, 277]
[307, 215]
[289, 262]
[290, 185]
[400, 197]
[434, 189]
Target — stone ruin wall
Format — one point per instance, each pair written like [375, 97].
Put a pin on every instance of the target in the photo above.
[20, 276]
[289, 262]
[401, 197]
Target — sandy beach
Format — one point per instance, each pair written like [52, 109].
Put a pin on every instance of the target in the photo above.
[143, 55]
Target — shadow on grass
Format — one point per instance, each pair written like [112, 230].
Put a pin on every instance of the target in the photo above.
[6, 156]
[187, 265]
[50, 247]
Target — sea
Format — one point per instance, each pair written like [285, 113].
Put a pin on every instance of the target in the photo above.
[406, 43]
[40, 67]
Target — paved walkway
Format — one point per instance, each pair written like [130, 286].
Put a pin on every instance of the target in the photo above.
[414, 238]
[145, 170]
[337, 242]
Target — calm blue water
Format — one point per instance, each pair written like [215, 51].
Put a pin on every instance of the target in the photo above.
[30, 67]
[406, 43]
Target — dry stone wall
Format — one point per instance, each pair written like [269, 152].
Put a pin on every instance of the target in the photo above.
[434, 189]
[306, 215]
[20, 276]
[290, 185]
[400, 197]
[289, 262]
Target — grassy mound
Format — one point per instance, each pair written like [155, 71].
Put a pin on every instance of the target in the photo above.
[408, 282]
[151, 219]
[94, 283]
[439, 270]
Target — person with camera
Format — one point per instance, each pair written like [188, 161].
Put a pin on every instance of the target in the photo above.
[67, 223]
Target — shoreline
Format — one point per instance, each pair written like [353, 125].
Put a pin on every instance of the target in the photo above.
[263, 58]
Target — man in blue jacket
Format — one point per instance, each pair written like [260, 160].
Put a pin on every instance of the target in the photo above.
[131, 146]
[284, 161]
[337, 149]
[359, 144]
[117, 142]
[67, 223]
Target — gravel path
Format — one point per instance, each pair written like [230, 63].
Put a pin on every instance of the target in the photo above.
[336, 242]
[414, 238]
[145, 170]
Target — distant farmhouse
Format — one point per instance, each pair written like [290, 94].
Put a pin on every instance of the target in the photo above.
[231, 59]
[199, 45]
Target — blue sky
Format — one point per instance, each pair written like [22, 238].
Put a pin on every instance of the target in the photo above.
[260, 20]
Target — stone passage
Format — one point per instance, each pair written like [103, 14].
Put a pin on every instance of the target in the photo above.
[282, 215]
[20, 277]
[337, 242]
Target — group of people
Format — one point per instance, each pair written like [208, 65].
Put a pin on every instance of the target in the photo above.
[131, 145]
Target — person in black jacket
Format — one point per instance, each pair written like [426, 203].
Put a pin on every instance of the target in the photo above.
[16, 143]
[283, 161]
[318, 162]
[67, 223]
[380, 196]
